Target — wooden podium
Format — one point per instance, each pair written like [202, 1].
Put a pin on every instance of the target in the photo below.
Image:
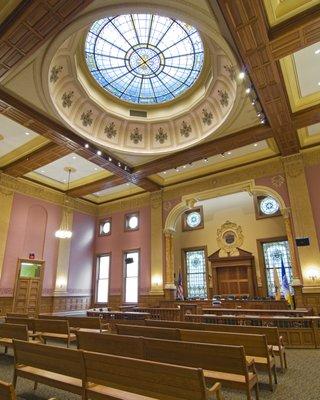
[233, 275]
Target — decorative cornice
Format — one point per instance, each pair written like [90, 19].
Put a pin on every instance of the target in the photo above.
[19, 185]
[140, 200]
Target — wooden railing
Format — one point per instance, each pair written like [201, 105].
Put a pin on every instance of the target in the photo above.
[244, 311]
[297, 332]
[247, 304]
[171, 314]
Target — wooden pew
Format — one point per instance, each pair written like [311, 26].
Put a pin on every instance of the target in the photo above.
[100, 376]
[225, 363]
[9, 332]
[152, 332]
[255, 346]
[54, 329]
[76, 323]
[272, 333]
[29, 322]
[53, 366]
[17, 315]
[120, 378]
[7, 391]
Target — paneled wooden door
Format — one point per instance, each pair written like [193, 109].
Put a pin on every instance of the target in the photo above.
[28, 286]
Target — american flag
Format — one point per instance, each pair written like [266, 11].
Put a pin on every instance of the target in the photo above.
[180, 295]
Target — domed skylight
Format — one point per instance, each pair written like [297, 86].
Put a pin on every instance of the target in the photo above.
[144, 58]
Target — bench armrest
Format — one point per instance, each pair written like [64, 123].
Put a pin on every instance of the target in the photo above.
[215, 390]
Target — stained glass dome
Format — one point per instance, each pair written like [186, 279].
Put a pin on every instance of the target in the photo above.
[144, 58]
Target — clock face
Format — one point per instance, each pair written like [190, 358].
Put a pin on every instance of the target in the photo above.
[269, 206]
[193, 219]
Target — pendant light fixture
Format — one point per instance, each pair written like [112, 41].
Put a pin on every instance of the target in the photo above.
[65, 232]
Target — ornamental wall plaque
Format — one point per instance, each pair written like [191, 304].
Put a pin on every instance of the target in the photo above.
[229, 238]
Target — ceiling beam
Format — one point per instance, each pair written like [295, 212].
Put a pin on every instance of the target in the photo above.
[97, 186]
[30, 25]
[31, 118]
[247, 23]
[306, 117]
[295, 33]
[204, 150]
[37, 159]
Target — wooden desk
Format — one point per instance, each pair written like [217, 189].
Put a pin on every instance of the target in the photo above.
[297, 332]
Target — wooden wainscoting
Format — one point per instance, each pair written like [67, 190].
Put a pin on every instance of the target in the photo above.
[312, 300]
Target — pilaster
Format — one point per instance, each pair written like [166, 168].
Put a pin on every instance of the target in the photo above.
[6, 200]
[156, 244]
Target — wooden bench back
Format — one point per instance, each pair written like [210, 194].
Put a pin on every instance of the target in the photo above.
[254, 345]
[228, 359]
[51, 326]
[174, 324]
[21, 321]
[148, 331]
[128, 346]
[49, 358]
[13, 331]
[76, 322]
[18, 315]
[272, 333]
[7, 391]
[147, 378]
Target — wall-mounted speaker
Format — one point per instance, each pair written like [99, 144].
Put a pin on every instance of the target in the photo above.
[128, 260]
[303, 241]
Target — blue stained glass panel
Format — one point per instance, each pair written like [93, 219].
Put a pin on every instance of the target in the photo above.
[144, 58]
[196, 274]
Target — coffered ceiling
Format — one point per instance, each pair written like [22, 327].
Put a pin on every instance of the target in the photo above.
[275, 42]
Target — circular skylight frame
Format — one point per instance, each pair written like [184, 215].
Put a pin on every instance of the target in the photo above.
[137, 71]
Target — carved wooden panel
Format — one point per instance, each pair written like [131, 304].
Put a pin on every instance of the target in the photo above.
[295, 33]
[30, 25]
[247, 23]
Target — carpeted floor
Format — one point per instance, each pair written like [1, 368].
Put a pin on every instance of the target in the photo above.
[300, 382]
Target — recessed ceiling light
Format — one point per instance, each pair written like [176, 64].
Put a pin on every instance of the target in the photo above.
[205, 160]
[97, 193]
[109, 159]
[318, 83]
[95, 168]
[229, 152]
[74, 157]
[27, 133]
[317, 51]
[99, 153]
[64, 180]
[86, 146]
[184, 166]
[42, 172]
[241, 75]
[128, 183]
[255, 144]
[248, 90]
[164, 172]
[177, 169]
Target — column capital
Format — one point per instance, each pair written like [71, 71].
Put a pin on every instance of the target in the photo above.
[168, 232]
[286, 212]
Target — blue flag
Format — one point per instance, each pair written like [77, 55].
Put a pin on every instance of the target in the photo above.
[285, 285]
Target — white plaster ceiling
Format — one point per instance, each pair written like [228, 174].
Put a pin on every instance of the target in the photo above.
[220, 158]
[13, 135]
[55, 170]
[314, 129]
[117, 189]
[307, 62]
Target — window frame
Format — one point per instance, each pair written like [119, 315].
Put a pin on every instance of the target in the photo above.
[125, 253]
[259, 214]
[102, 221]
[263, 286]
[126, 221]
[184, 268]
[185, 226]
[97, 272]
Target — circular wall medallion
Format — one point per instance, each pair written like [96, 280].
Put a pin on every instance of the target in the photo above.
[144, 58]
[193, 219]
[229, 237]
[269, 206]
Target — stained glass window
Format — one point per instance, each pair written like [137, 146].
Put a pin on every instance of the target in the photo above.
[196, 274]
[194, 219]
[273, 252]
[144, 58]
[269, 206]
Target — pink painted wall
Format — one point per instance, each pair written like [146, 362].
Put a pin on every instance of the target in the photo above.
[120, 241]
[81, 254]
[312, 175]
[32, 226]
[274, 182]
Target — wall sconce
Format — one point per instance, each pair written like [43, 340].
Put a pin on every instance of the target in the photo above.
[61, 283]
[313, 274]
[156, 280]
